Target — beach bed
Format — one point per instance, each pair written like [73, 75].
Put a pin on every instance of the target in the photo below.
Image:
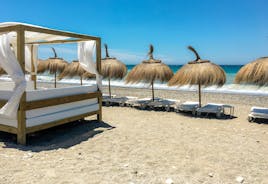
[44, 108]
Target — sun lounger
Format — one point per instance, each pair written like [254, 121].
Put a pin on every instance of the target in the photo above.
[163, 104]
[258, 113]
[106, 99]
[121, 100]
[213, 108]
[139, 103]
[187, 107]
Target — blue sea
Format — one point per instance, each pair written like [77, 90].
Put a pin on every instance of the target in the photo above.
[229, 86]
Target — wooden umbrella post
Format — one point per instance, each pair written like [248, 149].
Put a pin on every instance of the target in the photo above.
[81, 80]
[199, 93]
[152, 83]
[55, 80]
[110, 94]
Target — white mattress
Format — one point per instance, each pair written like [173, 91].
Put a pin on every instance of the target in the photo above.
[60, 115]
[38, 120]
[58, 108]
[53, 113]
[42, 94]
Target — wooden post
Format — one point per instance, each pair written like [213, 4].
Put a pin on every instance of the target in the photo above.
[110, 87]
[55, 79]
[21, 134]
[199, 93]
[98, 63]
[152, 83]
[81, 81]
[33, 76]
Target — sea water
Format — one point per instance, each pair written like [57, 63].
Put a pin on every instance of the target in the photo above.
[228, 87]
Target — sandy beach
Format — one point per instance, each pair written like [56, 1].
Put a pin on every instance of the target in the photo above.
[135, 146]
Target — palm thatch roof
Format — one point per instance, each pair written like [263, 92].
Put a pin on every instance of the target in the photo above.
[111, 67]
[149, 71]
[199, 72]
[42, 66]
[255, 72]
[52, 65]
[74, 69]
[88, 75]
[56, 65]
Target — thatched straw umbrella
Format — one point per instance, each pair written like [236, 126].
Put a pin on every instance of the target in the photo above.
[255, 72]
[75, 69]
[55, 65]
[112, 68]
[199, 72]
[150, 71]
[42, 66]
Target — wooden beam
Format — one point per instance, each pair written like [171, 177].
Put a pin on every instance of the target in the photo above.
[59, 33]
[58, 122]
[9, 129]
[98, 61]
[98, 55]
[58, 41]
[60, 100]
[21, 135]
[9, 28]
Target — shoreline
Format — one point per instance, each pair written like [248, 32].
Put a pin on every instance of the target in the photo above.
[207, 97]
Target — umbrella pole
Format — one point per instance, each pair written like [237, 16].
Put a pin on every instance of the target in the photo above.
[81, 80]
[109, 88]
[152, 83]
[199, 93]
[55, 79]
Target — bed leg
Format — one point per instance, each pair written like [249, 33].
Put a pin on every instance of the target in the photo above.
[21, 138]
[99, 114]
[99, 117]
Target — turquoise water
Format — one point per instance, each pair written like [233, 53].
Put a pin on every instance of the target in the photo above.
[230, 70]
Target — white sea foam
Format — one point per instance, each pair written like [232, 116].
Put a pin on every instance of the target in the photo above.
[227, 88]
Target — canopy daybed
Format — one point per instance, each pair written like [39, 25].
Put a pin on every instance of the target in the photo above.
[23, 109]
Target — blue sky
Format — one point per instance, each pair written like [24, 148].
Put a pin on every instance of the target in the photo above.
[226, 31]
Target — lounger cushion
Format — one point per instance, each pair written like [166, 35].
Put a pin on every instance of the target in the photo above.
[259, 112]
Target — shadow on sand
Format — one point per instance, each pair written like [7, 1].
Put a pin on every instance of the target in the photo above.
[207, 116]
[63, 136]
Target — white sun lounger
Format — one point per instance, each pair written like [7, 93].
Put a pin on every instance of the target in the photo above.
[187, 107]
[213, 108]
[106, 99]
[140, 103]
[117, 100]
[166, 104]
[258, 112]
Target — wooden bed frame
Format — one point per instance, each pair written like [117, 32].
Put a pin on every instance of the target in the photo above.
[24, 105]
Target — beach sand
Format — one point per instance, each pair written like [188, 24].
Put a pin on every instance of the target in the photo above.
[141, 147]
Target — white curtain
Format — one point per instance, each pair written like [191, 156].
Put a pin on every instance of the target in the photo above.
[10, 64]
[85, 56]
[28, 58]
